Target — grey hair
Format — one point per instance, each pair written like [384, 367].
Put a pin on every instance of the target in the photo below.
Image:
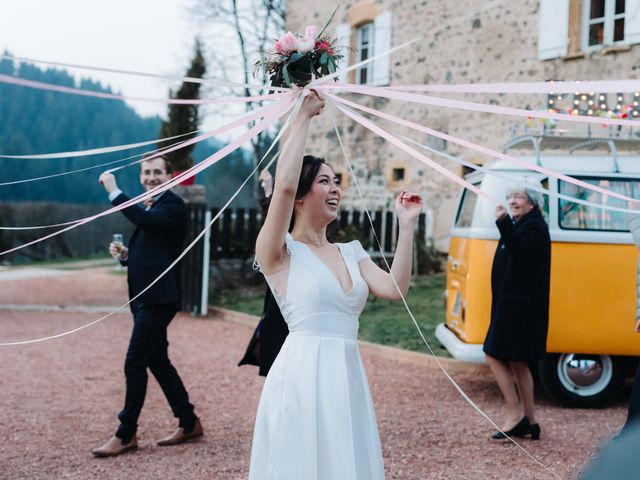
[525, 186]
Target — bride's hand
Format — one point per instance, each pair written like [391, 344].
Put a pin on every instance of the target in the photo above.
[312, 105]
[408, 208]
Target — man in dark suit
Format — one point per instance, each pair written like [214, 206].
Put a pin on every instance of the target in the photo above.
[156, 242]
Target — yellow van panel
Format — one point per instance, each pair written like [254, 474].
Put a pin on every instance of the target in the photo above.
[592, 298]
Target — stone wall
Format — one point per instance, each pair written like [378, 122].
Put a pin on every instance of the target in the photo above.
[466, 41]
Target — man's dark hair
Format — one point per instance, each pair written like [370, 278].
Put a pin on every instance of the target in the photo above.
[153, 156]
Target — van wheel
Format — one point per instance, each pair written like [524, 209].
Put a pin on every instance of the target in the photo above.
[582, 380]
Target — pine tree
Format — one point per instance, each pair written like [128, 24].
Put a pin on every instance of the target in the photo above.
[184, 118]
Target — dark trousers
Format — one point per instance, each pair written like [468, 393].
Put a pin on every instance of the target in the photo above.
[148, 349]
[633, 417]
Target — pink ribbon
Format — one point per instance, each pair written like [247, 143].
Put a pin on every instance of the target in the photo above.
[414, 153]
[272, 114]
[230, 126]
[184, 252]
[550, 87]
[94, 151]
[476, 107]
[204, 81]
[92, 167]
[88, 93]
[480, 148]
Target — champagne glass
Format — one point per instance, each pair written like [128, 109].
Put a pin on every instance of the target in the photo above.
[118, 241]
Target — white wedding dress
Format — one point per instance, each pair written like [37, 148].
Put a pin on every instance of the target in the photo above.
[316, 420]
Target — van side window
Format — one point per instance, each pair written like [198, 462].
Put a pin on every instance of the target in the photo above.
[466, 209]
[574, 216]
[545, 207]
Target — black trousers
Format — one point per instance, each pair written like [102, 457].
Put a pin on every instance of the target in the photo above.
[633, 417]
[148, 348]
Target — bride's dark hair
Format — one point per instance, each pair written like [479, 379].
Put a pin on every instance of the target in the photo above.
[310, 168]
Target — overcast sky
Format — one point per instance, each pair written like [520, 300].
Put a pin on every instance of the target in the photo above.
[146, 35]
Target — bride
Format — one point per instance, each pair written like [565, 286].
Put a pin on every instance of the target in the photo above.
[315, 420]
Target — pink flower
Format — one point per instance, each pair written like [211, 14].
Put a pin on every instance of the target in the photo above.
[311, 32]
[325, 46]
[286, 43]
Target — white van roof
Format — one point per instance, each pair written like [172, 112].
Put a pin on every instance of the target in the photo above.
[627, 164]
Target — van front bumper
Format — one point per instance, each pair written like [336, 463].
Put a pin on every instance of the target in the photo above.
[465, 352]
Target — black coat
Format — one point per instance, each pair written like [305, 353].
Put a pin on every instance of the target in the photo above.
[520, 289]
[268, 337]
[156, 242]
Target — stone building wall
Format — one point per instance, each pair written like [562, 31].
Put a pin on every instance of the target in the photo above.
[463, 41]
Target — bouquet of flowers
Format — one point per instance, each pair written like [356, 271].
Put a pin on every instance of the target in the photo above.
[297, 59]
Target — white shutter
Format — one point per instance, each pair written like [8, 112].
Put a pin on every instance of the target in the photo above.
[381, 44]
[632, 21]
[553, 29]
[343, 40]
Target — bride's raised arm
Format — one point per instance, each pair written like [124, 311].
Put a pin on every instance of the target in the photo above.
[270, 245]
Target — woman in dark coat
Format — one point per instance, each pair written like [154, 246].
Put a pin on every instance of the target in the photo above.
[520, 306]
[272, 330]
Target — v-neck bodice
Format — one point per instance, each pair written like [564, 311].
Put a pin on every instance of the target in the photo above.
[315, 301]
[331, 272]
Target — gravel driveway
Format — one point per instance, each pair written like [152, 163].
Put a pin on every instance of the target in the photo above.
[60, 398]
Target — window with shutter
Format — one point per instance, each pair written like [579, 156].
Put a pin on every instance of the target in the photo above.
[371, 37]
[343, 40]
[603, 23]
[382, 44]
[364, 50]
[553, 29]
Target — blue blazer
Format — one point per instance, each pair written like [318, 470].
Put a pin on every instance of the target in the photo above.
[156, 242]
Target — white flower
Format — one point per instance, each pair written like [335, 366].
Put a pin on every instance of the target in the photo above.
[305, 44]
[311, 32]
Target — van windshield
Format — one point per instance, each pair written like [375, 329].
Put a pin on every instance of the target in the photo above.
[466, 209]
[574, 216]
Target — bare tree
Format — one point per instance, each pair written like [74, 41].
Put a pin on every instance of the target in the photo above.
[237, 34]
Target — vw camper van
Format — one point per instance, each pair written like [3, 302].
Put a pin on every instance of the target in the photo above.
[592, 344]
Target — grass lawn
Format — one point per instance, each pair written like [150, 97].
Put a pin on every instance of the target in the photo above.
[382, 321]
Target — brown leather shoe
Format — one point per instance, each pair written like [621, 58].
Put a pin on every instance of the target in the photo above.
[114, 446]
[179, 436]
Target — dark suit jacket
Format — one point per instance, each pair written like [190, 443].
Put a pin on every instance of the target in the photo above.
[156, 242]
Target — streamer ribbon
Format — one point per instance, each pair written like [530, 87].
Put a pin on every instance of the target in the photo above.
[95, 151]
[185, 251]
[455, 384]
[204, 81]
[414, 153]
[271, 116]
[480, 148]
[241, 121]
[550, 87]
[476, 107]
[497, 174]
[112, 96]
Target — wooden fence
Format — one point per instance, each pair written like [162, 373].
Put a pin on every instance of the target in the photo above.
[194, 267]
[234, 234]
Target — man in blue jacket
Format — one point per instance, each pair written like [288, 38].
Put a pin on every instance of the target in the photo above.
[156, 242]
